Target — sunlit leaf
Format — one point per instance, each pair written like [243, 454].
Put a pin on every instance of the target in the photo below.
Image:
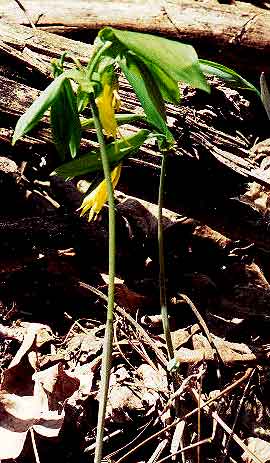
[147, 92]
[227, 74]
[179, 61]
[168, 87]
[265, 94]
[91, 162]
[35, 112]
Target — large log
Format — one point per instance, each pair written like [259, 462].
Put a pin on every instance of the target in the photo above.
[191, 190]
[228, 33]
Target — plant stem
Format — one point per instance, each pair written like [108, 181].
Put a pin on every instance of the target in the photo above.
[95, 59]
[162, 276]
[107, 349]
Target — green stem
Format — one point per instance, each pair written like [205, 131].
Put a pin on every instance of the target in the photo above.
[95, 59]
[108, 338]
[162, 277]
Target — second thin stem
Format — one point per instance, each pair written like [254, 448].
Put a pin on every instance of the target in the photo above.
[162, 274]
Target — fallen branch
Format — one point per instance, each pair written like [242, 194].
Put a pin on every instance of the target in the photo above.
[230, 32]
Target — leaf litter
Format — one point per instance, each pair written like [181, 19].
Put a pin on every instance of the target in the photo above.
[211, 403]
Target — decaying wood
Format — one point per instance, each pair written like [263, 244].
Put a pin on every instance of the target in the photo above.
[232, 151]
[222, 30]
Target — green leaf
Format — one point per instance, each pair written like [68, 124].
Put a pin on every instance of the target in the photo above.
[65, 122]
[168, 87]
[74, 125]
[91, 162]
[35, 112]
[177, 60]
[265, 94]
[120, 119]
[147, 92]
[227, 74]
[82, 99]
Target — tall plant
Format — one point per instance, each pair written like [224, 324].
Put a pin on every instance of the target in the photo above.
[153, 66]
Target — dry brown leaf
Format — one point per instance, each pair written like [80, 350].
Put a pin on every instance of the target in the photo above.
[229, 352]
[31, 399]
[33, 332]
[123, 400]
[259, 447]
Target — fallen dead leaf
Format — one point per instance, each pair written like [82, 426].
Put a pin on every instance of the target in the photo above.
[30, 398]
[259, 447]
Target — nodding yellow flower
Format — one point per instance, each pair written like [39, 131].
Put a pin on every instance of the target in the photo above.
[95, 201]
[107, 102]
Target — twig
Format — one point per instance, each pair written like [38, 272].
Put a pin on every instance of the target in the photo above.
[131, 320]
[133, 440]
[226, 428]
[34, 445]
[188, 447]
[237, 416]
[204, 327]
[161, 446]
[193, 412]
[19, 3]
[119, 348]
[199, 419]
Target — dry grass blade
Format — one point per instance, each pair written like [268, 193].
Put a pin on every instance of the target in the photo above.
[226, 428]
[205, 329]
[237, 415]
[162, 359]
[225, 391]
[161, 446]
[19, 3]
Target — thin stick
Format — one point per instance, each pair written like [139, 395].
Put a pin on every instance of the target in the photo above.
[204, 327]
[108, 338]
[19, 3]
[199, 420]
[34, 445]
[192, 446]
[131, 320]
[185, 417]
[226, 428]
[237, 416]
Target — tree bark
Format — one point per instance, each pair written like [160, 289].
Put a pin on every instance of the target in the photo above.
[227, 33]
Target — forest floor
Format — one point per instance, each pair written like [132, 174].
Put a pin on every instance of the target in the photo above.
[211, 403]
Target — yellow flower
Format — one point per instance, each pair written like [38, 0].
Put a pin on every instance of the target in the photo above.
[107, 102]
[95, 201]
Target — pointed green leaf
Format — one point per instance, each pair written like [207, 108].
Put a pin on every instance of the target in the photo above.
[168, 87]
[74, 125]
[147, 92]
[82, 99]
[265, 94]
[91, 162]
[120, 119]
[177, 60]
[227, 74]
[35, 112]
[65, 122]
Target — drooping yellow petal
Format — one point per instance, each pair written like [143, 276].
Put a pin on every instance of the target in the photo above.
[107, 102]
[95, 201]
